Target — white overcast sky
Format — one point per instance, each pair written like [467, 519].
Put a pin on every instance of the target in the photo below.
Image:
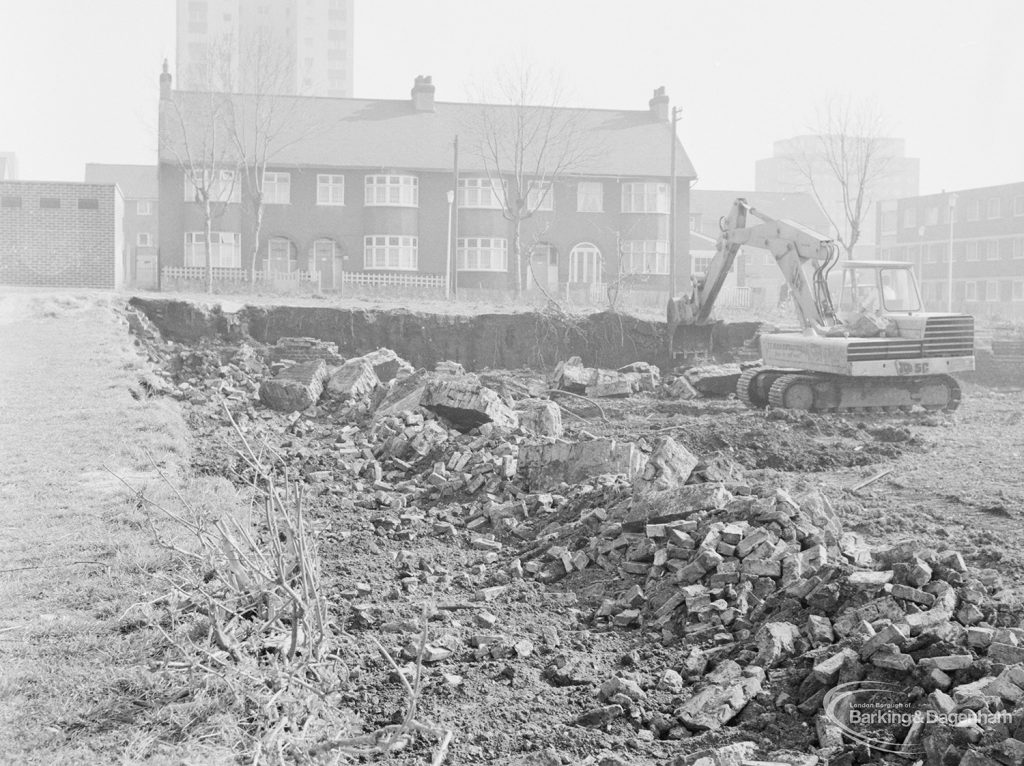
[78, 78]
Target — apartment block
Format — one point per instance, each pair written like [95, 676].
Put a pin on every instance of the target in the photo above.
[61, 234]
[985, 227]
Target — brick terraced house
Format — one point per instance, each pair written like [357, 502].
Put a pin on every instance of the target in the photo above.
[364, 198]
[61, 234]
[987, 232]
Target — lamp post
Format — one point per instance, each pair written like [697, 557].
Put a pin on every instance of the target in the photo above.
[448, 252]
[949, 272]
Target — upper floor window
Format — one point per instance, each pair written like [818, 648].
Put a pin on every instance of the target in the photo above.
[1018, 247]
[909, 218]
[221, 185]
[931, 216]
[974, 210]
[972, 251]
[481, 254]
[481, 193]
[144, 239]
[388, 251]
[277, 188]
[645, 256]
[645, 198]
[541, 196]
[993, 207]
[392, 191]
[991, 250]
[590, 197]
[88, 203]
[10, 200]
[888, 222]
[330, 189]
[143, 207]
[1018, 204]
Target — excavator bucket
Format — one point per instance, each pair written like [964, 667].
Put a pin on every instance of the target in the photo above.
[691, 343]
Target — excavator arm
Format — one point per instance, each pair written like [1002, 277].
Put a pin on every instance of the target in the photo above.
[792, 245]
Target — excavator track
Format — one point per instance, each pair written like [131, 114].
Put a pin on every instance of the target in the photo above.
[820, 392]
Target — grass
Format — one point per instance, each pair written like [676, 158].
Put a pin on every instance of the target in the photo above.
[76, 548]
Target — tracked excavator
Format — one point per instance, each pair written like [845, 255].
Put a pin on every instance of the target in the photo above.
[877, 350]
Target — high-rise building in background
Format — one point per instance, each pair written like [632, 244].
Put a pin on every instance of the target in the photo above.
[314, 38]
[782, 173]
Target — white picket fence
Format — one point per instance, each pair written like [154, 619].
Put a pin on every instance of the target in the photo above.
[391, 279]
[187, 278]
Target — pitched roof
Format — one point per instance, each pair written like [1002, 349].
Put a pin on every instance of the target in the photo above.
[371, 133]
[800, 207]
[135, 181]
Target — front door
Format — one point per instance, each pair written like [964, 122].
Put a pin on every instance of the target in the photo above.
[146, 270]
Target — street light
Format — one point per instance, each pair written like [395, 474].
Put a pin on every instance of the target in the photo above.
[949, 272]
[448, 252]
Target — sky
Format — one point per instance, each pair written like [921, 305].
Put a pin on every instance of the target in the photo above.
[79, 78]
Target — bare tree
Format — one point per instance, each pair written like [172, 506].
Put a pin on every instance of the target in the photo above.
[527, 142]
[192, 133]
[842, 163]
[264, 122]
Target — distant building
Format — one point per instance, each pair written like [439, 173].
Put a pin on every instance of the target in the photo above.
[988, 247]
[314, 37]
[138, 184]
[366, 200]
[61, 234]
[8, 166]
[755, 271]
[779, 173]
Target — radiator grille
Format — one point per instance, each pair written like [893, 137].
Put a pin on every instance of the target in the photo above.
[944, 336]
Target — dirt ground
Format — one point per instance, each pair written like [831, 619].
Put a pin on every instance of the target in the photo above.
[78, 678]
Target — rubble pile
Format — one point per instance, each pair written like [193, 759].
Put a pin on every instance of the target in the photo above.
[766, 612]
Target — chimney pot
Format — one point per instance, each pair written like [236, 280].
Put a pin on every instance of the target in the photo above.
[659, 105]
[423, 93]
[165, 82]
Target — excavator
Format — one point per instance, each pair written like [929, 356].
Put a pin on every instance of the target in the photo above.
[878, 350]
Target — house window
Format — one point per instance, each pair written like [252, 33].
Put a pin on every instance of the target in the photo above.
[144, 239]
[387, 251]
[991, 250]
[992, 290]
[1018, 247]
[392, 191]
[330, 189]
[277, 188]
[220, 184]
[1006, 248]
[281, 256]
[974, 210]
[972, 251]
[482, 254]
[324, 251]
[931, 216]
[700, 263]
[50, 202]
[970, 291]
[10, 201]
[481, 193]
[993, 207]
[88, 203]
[645, 256]
[590, 198]
[889, 219]
[226, 250]
[586, 265]
[1018, 290]
[144, 207]
[644, 198]
[909, 218]
[540, 196]
[1018, 204]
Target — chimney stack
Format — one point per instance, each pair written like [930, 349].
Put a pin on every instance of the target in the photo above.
[165, 83]
[659, 105]
[423, 94]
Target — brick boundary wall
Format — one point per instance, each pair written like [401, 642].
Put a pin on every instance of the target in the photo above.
[65, 246]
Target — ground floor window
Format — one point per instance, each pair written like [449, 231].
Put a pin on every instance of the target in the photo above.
[481, 254]
[645, 256]
[585, 264]
[226, 250]
[281, 255]
[388, 251]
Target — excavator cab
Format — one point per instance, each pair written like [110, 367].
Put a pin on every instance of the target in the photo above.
[877, 287]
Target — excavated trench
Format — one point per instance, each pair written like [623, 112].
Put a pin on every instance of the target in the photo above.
[499, 341]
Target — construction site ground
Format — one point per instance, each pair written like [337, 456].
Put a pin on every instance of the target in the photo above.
[950, 481]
